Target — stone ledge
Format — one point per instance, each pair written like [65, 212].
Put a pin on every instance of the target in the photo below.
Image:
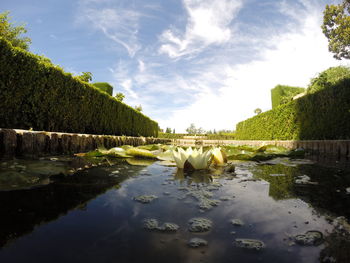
[15, 142]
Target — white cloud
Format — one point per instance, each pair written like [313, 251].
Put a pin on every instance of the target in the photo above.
[208, 23]
[142, 66]
[231, 92]
[127, 85]
[119, 24]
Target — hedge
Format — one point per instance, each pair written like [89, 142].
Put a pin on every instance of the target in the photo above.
[104, 86]
[321, 115]
[36, 94]
[282, 94]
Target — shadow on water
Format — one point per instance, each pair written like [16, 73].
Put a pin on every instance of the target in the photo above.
[93, 215]
[325, 190]
[24, 209]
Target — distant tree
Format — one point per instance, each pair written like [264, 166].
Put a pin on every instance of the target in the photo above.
[85, 76]
[200, 130]
[138, 108]
[120, 96]
[174, 130]
[168, 130]
[336, 27]
[192, 129]
[13, 33]
[257, 111]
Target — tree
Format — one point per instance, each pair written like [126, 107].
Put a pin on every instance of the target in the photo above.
[168, 130]
[85, 76]
[336, 27]
[257, 111]
[13, 33]
[120, 96]
[174, 131]
[192, 129]
[138, 108]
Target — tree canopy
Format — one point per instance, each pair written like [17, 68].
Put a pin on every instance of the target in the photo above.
[336, 27]
[12, 33]
[85, 76]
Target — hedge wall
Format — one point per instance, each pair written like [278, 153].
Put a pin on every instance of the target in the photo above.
[37, 94]
[104, 86]
[322, 115]
[282, 94]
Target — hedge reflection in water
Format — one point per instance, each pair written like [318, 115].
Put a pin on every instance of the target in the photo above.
[50, 206]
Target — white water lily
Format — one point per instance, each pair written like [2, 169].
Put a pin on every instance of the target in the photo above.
[219, 157]
[180, 156]
[196, 158]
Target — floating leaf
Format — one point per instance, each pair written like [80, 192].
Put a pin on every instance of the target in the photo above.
[139, 162]
[141, 153]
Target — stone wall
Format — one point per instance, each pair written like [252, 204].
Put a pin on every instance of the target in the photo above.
[35, 143]
[337, 148]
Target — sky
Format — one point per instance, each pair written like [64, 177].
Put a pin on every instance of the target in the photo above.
[207, 62]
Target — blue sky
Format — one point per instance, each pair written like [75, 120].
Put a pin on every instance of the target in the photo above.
[208, 62]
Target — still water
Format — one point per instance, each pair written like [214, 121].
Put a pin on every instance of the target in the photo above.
[70, 210]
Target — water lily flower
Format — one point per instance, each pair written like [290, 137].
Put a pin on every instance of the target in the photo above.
[192, 159]
[219, 157]
[180, 156]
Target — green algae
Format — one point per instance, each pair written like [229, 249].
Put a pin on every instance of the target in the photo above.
[249, 243]
[199, 224]
[145, 199]
[197, 242]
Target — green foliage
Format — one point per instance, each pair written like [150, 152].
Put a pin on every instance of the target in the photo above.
[321, 115]
[168, 130]
[171, 135]
[282, 94]
[336, 27]
[85, 76]
[120, 96]
[257, 111]
[13, 33]
[35, 93]
[193, 130]
[138, 108]
[328, 78]
[104, 86]
[221, 136]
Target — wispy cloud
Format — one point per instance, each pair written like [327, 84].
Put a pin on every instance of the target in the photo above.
[208, 23]
[232, 91]
[117, 23]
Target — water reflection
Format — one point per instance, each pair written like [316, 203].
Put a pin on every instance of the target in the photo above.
[78, 217]
[24, 209]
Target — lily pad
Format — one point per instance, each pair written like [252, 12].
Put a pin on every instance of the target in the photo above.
[140, 153]
[139, 162]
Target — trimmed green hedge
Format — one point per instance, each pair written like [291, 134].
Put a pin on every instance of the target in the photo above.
[37, 94]
[104, 86]
[322, 115]
[282, 94]
[165, 135]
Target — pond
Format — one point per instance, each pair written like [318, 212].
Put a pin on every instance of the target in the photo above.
[113, 210]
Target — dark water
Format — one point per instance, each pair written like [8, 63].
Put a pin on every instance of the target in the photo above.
[90, 215]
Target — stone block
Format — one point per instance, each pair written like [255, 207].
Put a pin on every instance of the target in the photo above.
[27, 145]
[9, 142]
